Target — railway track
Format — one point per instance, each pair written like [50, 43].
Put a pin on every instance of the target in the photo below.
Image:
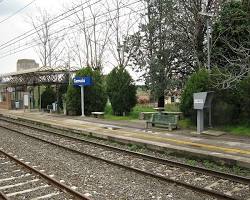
[19, 180]
[216, 184]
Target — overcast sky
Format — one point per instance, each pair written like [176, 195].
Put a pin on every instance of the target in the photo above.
[18, 24]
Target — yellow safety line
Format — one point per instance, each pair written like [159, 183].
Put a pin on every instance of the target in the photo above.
[232, 150]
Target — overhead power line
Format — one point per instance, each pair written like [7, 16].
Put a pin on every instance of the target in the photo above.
[33, 45]
[28, 33]
[18, 11]
[57, 31]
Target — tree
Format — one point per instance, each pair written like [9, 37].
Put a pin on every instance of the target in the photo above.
[244, 99]
[62, 90]
[121, 91]
[73, 101]
[198, 82]
[231, 48]
[228, 106]
[121, 27]
[48, 43]
[91, 37]
[48, 97]
[95, 97]
[153, 50]
[169, 45]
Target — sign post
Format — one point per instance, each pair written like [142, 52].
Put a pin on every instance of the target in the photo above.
[82, 82]
[82, 99]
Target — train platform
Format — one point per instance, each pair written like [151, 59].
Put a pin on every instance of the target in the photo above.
[214, 145]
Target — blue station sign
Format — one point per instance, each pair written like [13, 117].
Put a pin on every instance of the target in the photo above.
[82, 81]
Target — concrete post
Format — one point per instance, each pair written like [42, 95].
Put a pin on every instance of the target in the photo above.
[200, 121]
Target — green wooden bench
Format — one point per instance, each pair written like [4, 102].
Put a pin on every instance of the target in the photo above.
[169, 121]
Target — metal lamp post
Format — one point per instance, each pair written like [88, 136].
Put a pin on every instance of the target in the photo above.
[209, 41]
[82, 100]
[209, 31]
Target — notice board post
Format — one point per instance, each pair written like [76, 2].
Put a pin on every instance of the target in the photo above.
[82, 82]
[202, 100]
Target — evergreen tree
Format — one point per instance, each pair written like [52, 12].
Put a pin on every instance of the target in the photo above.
[95, 97]
[169, 45]
[198, 82]
[230, 53]
[48, 97]
[121, 91]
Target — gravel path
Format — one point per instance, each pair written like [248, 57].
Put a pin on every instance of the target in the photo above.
[93, 178]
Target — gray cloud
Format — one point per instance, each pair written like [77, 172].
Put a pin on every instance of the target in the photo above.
[8, 7]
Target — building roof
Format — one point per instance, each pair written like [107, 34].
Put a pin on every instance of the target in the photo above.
[37, 76]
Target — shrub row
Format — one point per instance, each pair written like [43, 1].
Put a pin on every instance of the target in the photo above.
[228, 106]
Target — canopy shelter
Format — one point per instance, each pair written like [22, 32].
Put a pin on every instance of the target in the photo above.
[37, 76]
[26, 81]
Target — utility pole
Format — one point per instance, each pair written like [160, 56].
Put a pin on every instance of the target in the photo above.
[209, 31]
[208, 17]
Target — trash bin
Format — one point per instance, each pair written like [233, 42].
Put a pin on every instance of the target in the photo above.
[17, 104]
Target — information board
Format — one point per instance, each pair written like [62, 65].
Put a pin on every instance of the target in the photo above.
[82, 81]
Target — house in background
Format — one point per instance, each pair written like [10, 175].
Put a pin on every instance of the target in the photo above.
[173, 97]
[144, 96]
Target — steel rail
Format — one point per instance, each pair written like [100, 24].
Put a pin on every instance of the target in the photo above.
[159, 177]
[46, 177]
[3, 196]
[217, 174]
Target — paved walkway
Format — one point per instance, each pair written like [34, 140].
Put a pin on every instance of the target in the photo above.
[215, 145]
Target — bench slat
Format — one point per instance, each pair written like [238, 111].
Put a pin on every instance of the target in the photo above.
[167, 120]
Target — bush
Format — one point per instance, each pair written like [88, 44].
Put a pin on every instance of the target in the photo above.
[244, 100]
[48, 97]
[223, 112]
[95, 97]
[62, 90]
[121, 91]
[73, 101]
[198, 82]
[229, 106]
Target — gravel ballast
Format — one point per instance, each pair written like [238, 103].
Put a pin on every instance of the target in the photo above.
[96, 179]
[181, 174]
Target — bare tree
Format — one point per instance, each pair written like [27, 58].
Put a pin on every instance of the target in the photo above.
[48, 43]
[192, 25]
[237, 69]
[122, 19]
[231, 45]
[91, 38]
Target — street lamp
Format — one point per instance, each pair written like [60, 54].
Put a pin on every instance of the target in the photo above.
[208, 16]
[209, 31]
